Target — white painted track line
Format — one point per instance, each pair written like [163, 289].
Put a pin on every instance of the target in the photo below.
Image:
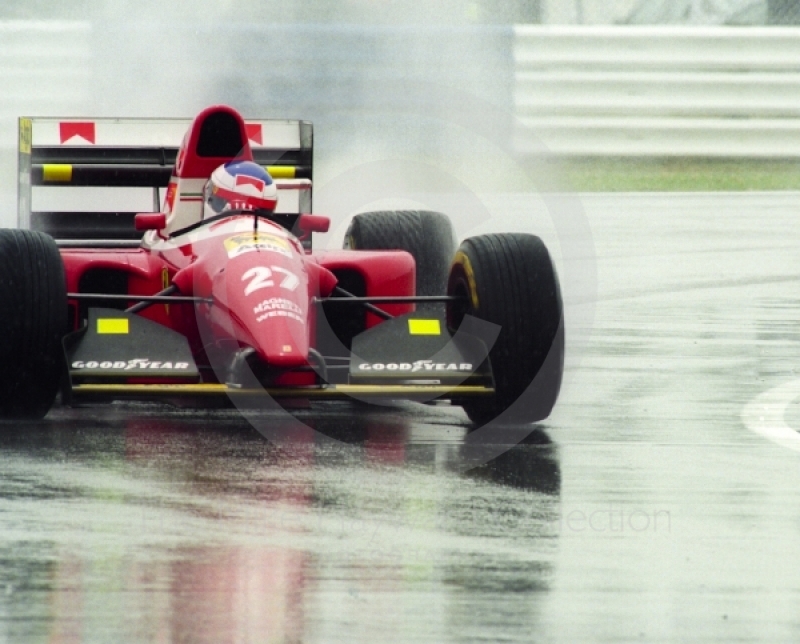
[765, 415]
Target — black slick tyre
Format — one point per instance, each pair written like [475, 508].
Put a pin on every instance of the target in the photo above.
[427, 236]
[510, 281]
[33, 320]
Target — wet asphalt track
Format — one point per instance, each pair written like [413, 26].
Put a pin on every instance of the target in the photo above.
[659, 503]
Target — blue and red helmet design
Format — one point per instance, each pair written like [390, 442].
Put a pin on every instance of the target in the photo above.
[239, 185]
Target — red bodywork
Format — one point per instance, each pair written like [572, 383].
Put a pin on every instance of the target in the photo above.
[258, 276]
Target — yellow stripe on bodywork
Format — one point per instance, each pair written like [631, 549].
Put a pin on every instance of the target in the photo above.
[332, 391]
[60, 172]
[282, 171]
[112, 326]
[424, 327]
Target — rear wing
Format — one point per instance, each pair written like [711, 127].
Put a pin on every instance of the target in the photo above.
[68, 168]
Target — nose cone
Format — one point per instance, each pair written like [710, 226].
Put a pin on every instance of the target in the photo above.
[267, 301]
[279, 330]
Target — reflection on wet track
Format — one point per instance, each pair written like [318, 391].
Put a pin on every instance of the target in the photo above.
[151, 523]
[643, 509]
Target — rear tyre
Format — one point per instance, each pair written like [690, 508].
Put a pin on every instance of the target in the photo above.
[33, 320]
[427, 236]
[509, 280]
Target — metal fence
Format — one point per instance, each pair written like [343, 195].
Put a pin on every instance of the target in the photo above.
[661, 12]
[585, 90]
[658, 91]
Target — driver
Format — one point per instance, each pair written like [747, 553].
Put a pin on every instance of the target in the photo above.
[239, 186]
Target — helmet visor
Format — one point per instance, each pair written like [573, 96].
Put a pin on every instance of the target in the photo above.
[215, 202]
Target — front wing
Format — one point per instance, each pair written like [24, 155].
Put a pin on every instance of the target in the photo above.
[120, 355]
[95, 392]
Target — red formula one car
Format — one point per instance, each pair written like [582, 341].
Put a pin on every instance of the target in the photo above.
[237, 304]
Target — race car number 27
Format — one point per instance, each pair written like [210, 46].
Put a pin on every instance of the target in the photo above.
[262, 277]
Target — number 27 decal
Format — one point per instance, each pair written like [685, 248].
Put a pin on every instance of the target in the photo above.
[261, 277]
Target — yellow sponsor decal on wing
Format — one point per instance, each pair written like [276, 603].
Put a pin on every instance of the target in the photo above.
[424, 327]
[282, 171]
[61, 172]
[112, 326]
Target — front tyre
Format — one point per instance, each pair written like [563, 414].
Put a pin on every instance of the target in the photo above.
[33, 320]
[509, 280]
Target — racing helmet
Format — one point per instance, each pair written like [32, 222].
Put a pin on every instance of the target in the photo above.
[239, 185]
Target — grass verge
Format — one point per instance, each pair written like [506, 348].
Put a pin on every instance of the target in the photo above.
[679, 174]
